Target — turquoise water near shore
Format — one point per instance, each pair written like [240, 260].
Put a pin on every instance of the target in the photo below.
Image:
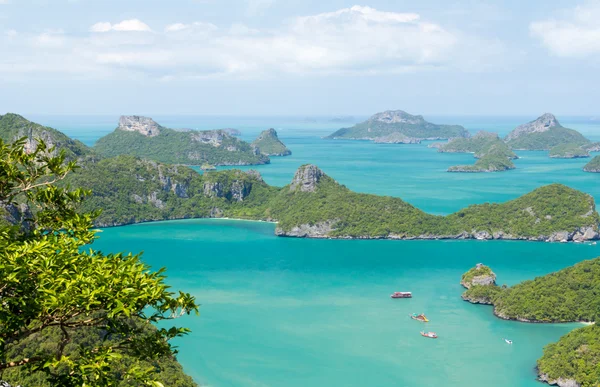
[292, 312]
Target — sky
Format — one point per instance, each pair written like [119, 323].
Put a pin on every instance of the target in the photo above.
[300, 57]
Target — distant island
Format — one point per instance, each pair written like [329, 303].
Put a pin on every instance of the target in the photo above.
[569, 295]
[130, 189]
[492, 153]
[384, 124]
[593, 165]
[143, 137]
[268, 144]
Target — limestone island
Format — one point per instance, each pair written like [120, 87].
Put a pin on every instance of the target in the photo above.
[593, 165]
[492, 153]
[132, 189]
[269, 144]
[568, 295]
[392, 122]
[546, 133]
[143, 137]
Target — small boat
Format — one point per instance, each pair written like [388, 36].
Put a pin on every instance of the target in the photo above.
[508, 341]
[419, 317]
[401, 295]
[431, 335]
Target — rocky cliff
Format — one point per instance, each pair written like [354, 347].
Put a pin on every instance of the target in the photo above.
[143, 125]
[396, 138]
[306, 178]
[143, 137]
[543, 133]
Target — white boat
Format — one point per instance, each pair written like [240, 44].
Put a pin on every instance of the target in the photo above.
[508, 341]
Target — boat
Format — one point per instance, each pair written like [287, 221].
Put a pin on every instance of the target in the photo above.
[401, 295]
[431, 335]
[419, 317]
[508, 341]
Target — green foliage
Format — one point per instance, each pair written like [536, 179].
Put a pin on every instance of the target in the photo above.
[489, 163]
[546, 140]
[131, 190]
[492, 153]
[546, 210]
[480, 145]
[568, 151]
[269, 144]
[477, 271]
[181, 147]
[593, 165]
[49, 282]
[575, 356]
[570, 294]
[14, 127]
[482, 294]
[411, 126]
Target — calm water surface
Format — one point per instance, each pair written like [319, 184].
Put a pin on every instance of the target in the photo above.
[292, 312]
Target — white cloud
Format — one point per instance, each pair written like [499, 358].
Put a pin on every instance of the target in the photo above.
[357, 40]
[576, 34]
[131, 25]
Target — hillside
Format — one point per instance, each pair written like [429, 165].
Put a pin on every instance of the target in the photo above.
[568, 151]
[574, 359]
[269, 144]
[14, 127]
[397, 121]
[492, 153]
[567, 295]
[543, 133]
[143, 137]
[593, 165]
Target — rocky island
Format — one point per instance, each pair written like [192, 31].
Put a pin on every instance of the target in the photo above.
[492, 153]
[543, 133]
[143, 137]
[568, 295]
[593, 165]
[269, 144]
[391, 122]
[568, 151]
[130, 189]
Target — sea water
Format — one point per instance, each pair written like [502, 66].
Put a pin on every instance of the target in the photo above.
[300, 312]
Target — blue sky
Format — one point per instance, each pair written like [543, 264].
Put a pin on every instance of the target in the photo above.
[299, 57]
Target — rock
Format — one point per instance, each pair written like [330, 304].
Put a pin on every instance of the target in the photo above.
[155, 201]
[396, 138]
[306, 178]
[398, 116]
[239, 190]
[143, 125]
[269, 144]
[479, 275]
[255, 174]
[541, 124]
[317, 230]
[17, 214]
[232, 132]
[211, 137]
[137, 198]
[436, 145]
[559, 382]
[213, 189]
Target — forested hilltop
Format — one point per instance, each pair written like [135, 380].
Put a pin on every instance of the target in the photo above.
[143, 137]
[568, 295]
[131, 190]
[384, 124]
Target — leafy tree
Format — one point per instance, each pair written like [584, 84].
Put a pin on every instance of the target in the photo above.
[50, 284]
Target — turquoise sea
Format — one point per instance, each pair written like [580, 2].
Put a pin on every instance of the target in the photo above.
[295, 312]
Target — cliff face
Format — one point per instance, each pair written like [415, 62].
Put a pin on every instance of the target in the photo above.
[143, 137]
[144, 125]
[542, 124]
[306, 178]
[14, 127]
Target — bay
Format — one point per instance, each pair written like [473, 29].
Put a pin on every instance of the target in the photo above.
[293, 312]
